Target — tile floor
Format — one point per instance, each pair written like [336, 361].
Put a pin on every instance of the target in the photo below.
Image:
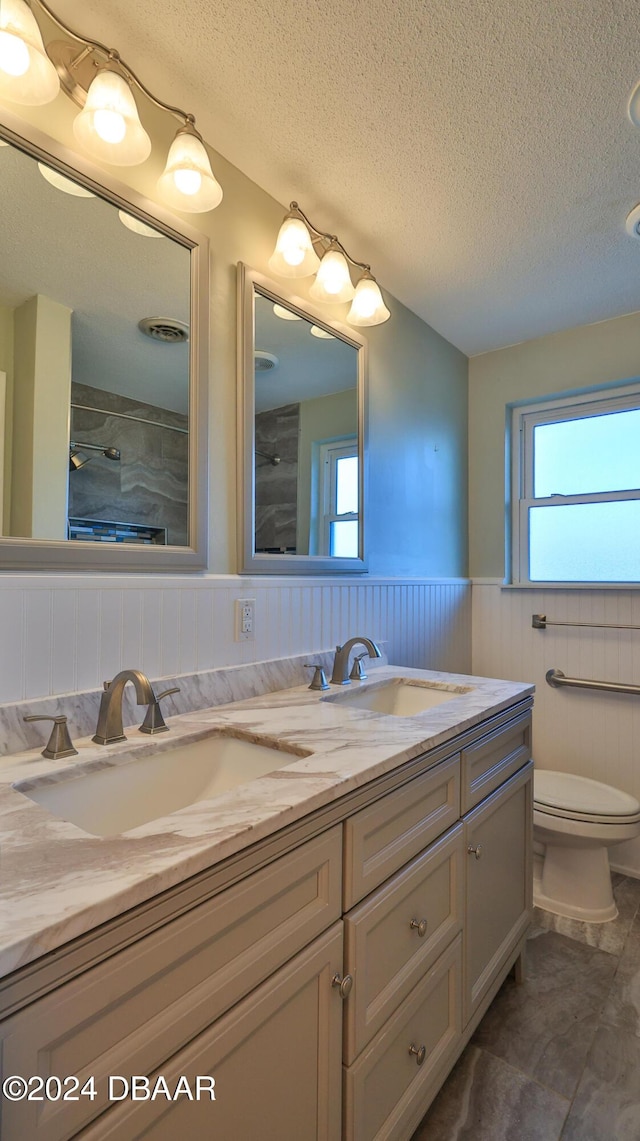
[557, 1059]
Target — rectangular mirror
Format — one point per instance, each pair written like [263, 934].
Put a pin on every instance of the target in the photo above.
[103, 348]
[301, 429]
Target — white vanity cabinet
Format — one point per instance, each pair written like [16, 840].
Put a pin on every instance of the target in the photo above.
[429, 947]
[327, 978]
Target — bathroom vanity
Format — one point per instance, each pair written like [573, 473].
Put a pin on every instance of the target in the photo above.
[324, 957]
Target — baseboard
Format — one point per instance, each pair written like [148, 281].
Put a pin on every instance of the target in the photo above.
[633, 873]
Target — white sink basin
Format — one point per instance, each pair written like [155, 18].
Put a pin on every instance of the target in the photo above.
[113, 799]
[400, 697]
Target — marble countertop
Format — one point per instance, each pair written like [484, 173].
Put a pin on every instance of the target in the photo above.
[58, 882]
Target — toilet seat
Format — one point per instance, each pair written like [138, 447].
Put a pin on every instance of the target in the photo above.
[579, 798]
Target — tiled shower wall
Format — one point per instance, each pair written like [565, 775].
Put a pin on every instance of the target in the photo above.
[66, 633]
[590, 733]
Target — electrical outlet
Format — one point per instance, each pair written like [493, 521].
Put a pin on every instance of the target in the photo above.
[245, 619]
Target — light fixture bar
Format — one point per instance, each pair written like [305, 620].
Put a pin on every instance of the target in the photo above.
[113, 55]
[331, 238]
[295, 255]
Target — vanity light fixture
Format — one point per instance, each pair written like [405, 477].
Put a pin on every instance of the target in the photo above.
[322, 334]
[296, 255]
[101, 83]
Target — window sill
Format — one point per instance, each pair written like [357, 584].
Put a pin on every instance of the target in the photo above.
[538, 586]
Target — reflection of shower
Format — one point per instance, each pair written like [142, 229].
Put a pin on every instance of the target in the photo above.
[273, 459]
[78, 460]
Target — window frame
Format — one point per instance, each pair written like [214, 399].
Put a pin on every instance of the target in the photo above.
[329, 452]
[524, 419]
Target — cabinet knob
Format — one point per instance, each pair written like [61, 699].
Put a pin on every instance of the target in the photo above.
[420, 926]
[420, 1053]
[475, 850]
[344, 985]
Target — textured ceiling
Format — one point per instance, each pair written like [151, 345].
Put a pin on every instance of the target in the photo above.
[477, 153]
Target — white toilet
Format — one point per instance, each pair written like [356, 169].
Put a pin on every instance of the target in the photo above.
[577, 820]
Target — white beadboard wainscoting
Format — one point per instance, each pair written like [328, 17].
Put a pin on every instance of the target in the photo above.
[591, 733]
[64, 633]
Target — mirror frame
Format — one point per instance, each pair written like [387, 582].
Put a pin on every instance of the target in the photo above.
[64, 555]
[250, 281]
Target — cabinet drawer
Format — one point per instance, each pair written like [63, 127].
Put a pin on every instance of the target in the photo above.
[380, 839]
[137, 1008]
[386, 955]
[493, 759]
[385, 1089]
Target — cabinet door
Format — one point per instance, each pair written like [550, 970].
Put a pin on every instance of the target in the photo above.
[275, 1059]
[143, 1004]
[498, 837]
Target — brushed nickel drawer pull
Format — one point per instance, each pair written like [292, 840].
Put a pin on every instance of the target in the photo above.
[419, 926]
[420, 1053]
[475, 850]
[344, 985]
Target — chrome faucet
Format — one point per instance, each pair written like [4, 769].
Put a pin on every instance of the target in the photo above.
[340, 675]
[109, 728]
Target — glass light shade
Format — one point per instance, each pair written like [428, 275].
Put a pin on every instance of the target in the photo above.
[27, 75]
[367, 307]
[65, 184]
[294, 255]
[188, 182]
[322, 334]
[285, 314]
[138, 227]
[108, 127]
[332, 282]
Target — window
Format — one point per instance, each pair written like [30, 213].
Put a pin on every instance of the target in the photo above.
[576, 490]
[339, 484]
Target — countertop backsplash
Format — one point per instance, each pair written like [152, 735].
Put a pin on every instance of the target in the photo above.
[202, 690]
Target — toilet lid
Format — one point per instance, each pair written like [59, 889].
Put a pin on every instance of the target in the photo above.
[579, 795]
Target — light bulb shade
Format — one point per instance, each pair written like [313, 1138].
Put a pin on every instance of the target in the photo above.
[188, 182]
[294, 255]
[108, 127]
[27, 75]
[332, 283]
[367, 307]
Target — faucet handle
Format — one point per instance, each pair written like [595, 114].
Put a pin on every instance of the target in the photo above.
[59, 744]
[153, 720]
[319, 677]
[358, 672]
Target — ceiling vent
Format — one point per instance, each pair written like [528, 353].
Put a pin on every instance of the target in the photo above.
[164, 329]
[265, 362]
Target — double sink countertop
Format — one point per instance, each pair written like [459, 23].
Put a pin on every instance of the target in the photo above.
[58, 882]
